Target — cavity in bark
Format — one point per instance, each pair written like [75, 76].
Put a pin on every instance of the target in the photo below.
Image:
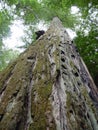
[73, 56]
[62, 52]
[58, 74]
[76, 74]
[62, 59]
[65, 73]
[1, 116]
[64, 67]
[39, 33]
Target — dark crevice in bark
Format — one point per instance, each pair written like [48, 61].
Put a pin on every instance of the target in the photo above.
[73, 56]
[63, 67]
[15, 93]
[1, 116]
[18, 125]
[76, 74]
[62, 52]
[62, 59]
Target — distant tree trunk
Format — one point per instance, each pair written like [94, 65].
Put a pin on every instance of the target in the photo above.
[48, 87]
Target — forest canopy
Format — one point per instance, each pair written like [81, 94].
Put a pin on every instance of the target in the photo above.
[84, 23]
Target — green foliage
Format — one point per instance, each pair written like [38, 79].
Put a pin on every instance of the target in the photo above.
[7, 56]
[33, 11]
[87, 39]
[4, 22]
[88, 48]
[4, 26]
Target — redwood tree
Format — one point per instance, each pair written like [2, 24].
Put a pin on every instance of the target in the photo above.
[48, 87]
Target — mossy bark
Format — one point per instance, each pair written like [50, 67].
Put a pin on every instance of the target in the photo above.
[48, 87]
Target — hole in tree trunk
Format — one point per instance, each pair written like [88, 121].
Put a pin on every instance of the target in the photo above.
[62, 59]
[1, 116]
[64, 67]
[62, 52]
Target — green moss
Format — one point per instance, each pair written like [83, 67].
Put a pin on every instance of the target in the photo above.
[77, 110]
[5, 74]
[40, 107]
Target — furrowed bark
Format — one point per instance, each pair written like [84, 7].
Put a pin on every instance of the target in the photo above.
[48, 87]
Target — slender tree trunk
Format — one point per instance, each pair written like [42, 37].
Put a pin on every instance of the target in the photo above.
[48, 87]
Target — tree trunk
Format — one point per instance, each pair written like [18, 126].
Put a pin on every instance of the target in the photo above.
[48, 87]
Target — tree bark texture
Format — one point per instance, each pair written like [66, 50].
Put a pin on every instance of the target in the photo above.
[48, 87]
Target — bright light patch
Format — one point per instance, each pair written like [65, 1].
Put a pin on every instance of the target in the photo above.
[74, 10]
[71, 33]
[39, 1]
[17, 31]
[0, 7]
[41, 26]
